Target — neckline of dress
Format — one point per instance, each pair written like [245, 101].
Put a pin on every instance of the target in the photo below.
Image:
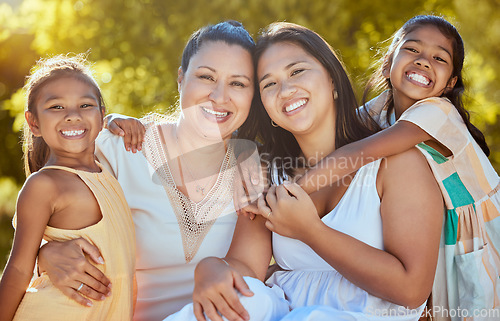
[74, 170]
[350, 187]
[170, 177]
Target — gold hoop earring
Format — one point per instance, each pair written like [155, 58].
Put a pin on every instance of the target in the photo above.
[335, 95]
[273, 123]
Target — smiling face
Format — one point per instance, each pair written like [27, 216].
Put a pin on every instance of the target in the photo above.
[296, 90]
[216, 90]
[421, 66]
[68, 117]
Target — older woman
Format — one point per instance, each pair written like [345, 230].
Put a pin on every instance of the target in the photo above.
[179, 187]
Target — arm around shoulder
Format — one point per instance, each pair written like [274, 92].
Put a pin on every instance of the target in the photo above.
[347, 159]
[130, 128]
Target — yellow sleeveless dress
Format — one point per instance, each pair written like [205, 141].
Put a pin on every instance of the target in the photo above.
[115, 238]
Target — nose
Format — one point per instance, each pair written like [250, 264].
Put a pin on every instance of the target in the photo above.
[287, 89]
[73, 114]
[219, 94]
[422, 62]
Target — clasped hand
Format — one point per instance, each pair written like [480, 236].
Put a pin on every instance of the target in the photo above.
[289, 210]
[250, 178]
[216, 291]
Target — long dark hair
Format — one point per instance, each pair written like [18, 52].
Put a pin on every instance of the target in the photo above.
[279, 144]
[455, 95]
[36, 151]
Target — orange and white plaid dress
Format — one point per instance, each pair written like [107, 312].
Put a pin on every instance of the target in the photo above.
[467, 282]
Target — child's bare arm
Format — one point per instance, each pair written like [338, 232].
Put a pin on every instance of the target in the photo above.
[396, 139]
[33, 212]
[130, 128]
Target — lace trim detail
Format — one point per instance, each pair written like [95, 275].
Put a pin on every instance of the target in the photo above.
[194, 218]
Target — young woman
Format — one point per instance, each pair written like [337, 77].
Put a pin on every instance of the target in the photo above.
[362, 250]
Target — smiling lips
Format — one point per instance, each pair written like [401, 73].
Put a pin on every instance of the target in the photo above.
[218, 116]
[72, 133]
[295, 105]
[418, 78]
[215, 113]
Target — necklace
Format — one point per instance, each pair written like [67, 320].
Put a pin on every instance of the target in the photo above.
[195, 219]
[198, 188]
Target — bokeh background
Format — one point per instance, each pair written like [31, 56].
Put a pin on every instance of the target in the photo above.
[136, 46]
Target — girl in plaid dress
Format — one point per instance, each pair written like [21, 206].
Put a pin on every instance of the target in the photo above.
[422, 72]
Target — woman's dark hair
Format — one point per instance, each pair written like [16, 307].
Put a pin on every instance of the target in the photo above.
[278, 143]
[231, 32]
[455, 95]
[36, 151]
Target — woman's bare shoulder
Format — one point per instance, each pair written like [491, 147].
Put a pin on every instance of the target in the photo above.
[407, 171]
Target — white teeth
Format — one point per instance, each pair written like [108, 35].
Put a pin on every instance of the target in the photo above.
[295, 105]
[216, 113]
[419, 78]
[72, 132]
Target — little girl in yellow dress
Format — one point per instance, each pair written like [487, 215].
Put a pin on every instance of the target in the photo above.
[67, 195]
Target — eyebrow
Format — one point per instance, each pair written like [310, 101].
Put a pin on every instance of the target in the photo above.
[235, 76]
[420, 42]
[290, 65]
[50, 98]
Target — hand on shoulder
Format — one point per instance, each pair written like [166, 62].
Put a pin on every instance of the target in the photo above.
[131, 129]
